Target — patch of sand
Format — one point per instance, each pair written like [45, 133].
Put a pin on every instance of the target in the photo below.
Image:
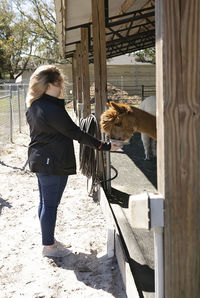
[87, 272]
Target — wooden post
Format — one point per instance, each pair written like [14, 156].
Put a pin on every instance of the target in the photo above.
[79, 79]
[74, 77]
[99, 47]
[85, 72]
[100, 71]
[178, 130]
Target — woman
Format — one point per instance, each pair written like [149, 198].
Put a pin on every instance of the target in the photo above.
[51, 151]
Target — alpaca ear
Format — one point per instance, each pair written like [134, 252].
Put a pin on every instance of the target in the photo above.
[120, 108]
[108, 103]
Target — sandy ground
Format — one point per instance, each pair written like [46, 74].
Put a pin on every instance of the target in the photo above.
[86, 272]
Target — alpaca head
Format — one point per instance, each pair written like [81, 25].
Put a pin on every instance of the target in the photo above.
[116, 121]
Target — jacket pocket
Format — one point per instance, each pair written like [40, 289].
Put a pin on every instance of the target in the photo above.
[48, 161]
[41, 160]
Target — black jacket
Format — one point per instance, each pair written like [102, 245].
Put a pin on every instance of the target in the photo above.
[52, 131]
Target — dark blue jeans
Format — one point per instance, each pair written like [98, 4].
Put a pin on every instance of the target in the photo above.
[51, 188]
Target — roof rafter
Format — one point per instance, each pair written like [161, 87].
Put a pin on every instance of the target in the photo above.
[132, 31]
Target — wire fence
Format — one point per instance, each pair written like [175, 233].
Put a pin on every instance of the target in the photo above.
[142, 90]
[12, 110]
[122, 88]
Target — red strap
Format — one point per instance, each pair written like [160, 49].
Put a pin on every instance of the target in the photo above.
[100, 146]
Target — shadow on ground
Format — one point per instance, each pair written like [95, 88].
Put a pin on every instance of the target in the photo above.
[135, 152]
[3, 204]
[89, 268]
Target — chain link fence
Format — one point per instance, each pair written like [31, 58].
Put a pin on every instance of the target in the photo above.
[142, 91]
[12, 110]
[13, 107]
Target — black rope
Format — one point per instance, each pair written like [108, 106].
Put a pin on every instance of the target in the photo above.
[88, 156]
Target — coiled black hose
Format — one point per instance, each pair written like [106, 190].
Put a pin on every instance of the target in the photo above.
[88, 157]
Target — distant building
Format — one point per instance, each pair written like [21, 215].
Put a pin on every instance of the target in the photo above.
[127, 59]
[123, 71]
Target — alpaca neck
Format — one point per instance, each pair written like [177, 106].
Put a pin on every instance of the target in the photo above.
[144, 122]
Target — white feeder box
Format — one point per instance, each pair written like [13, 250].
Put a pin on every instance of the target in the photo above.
[146, 211]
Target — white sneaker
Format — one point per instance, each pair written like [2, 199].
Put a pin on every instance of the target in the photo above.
[56, 251]
[60, 244]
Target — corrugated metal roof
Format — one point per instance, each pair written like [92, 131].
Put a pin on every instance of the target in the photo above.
[130, 25]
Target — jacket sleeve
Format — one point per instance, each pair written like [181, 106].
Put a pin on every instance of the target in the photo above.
[60, 120]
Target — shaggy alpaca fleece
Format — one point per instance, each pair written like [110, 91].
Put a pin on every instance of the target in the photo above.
[148, 105]
[86, 272]
[120, 121]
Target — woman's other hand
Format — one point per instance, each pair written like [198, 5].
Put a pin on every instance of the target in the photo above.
[116, 145]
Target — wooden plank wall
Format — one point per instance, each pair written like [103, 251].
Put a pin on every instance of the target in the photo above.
[178, 77]
[130, 75]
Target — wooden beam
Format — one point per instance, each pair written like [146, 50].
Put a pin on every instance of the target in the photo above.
[100, 71]
[74, 77]
[115, 246]
[99, 44]
[178, 107]
[79, 79]
[125, 270]
[85, 72]
[60, 9]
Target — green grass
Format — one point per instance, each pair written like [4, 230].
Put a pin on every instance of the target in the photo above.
[5, 104]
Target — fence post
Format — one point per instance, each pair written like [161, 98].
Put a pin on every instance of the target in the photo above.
[142, 92]
[24, 95]
[122, 87]
[19, 108]
[11, 114]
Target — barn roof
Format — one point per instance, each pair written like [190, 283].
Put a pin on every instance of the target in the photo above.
[130, 25]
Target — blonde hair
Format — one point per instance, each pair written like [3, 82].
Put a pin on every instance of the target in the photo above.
[40, 79]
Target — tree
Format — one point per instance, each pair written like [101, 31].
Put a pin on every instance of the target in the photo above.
[16, 43]
[6, 16]
[147, 55]
[27, 36]
[42, 26]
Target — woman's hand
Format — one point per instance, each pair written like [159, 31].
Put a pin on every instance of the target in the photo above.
[116, 145]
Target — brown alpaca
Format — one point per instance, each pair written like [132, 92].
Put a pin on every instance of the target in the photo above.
[120, 121]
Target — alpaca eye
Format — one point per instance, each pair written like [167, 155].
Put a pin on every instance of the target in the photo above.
[118, 124]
